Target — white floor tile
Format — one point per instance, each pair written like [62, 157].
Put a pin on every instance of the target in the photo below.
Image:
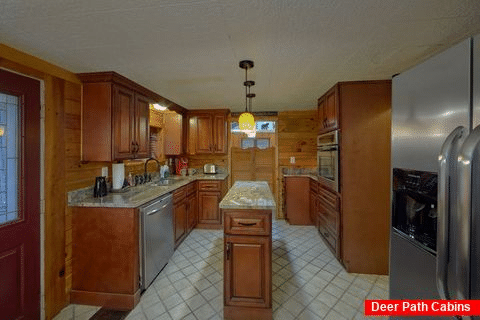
[308, 281]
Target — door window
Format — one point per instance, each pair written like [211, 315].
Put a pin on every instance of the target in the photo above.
[8, 158]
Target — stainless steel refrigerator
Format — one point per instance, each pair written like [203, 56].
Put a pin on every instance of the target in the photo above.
[435, 236]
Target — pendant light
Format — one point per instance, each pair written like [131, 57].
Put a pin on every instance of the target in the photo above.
[246, 122]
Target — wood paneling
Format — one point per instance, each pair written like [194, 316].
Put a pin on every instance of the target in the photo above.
[54, 175]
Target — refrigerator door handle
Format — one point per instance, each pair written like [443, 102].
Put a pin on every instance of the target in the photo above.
[447, 161]
[463, 217]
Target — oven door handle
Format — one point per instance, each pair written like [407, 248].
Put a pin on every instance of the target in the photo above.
[447, 162]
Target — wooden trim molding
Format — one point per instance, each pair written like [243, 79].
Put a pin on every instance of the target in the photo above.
[16, 60]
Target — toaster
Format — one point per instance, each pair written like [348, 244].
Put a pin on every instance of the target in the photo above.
[209, 168]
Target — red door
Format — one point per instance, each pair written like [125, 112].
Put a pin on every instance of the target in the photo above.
[19, 197]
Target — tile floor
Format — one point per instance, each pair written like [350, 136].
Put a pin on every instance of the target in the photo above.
[308, 282]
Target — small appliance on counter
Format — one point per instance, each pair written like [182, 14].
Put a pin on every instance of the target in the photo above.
[100, 188]
[209, 168]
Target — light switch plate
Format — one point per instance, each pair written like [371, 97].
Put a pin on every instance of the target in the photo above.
[292, 160]
[104, 171]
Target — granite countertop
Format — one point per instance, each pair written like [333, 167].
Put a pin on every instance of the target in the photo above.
[134, 196]
[309, 175]
[248, 195]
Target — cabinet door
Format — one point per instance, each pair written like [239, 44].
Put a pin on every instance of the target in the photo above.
[313, 206]
[208, 211]
[204, 134]
[220, 133]
[123, 122]
[331, 108]
[192, 212]
[248, 271]
[180, 220]
[321, 112]
[142, 127]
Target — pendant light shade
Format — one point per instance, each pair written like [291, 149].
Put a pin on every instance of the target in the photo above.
[246, 122]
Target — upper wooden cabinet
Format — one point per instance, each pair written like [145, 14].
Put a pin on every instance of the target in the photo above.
[115, 119]
[207, 131]
[328, 110]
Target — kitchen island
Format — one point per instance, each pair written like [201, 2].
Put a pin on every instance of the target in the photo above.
[247, 213]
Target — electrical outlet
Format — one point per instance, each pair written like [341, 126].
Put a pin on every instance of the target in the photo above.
[104, 171]
[292, 160]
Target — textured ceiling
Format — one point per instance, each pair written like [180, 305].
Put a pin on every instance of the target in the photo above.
[188, 50]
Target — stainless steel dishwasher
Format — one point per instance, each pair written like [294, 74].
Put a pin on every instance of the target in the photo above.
[156, 238]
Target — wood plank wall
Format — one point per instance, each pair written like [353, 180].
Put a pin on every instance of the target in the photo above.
[297, 137]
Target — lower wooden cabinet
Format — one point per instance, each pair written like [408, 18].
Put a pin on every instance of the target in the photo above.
[248, 270]
[297, 201]
[192, 206]
[185, 211]
[210, 193]
[180, 221]
[247, 264]
[105, 264]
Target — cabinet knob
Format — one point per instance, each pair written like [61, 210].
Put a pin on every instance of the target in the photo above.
[133, 146]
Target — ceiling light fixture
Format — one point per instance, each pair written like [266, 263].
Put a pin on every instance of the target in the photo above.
[157, 106]
[246, 122]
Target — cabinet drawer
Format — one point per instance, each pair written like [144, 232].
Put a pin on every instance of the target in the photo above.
[209, 185]
[191, 188]
[329, 199]
[242, 222]
[313, 186]
[179, 194]
[326, 233]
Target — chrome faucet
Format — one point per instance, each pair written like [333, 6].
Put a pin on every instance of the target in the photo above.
[146, 162]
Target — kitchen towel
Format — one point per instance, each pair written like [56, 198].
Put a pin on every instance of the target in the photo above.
[118, 175]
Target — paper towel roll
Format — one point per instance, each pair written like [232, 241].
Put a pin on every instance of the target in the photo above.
[118, 175]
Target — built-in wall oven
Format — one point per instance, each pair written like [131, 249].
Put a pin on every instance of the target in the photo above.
[327, 159]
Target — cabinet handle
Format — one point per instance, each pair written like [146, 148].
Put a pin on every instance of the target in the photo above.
[247, 224]
[228, 250]
[133, 146]
[326, 235]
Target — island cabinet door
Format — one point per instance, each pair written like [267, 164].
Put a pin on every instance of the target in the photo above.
[248, 271]
[209, 213]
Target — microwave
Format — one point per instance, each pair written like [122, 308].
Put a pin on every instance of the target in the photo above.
[327, 159]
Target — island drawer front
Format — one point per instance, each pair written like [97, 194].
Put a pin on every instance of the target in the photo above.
[244, 222]
[210, 185]
[179, 194]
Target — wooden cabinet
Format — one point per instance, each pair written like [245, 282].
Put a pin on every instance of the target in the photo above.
[192, 206]
[172, 133]
[328, 110]
[247, 264]
[356, 223]
[115, 117]
[297, 203]
[313, 200]
[185, 211]
[328, 218]
[207, 132]
[210, 192]
[105, 264]
[180, 214]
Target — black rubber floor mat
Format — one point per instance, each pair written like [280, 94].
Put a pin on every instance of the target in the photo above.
[108, 314]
